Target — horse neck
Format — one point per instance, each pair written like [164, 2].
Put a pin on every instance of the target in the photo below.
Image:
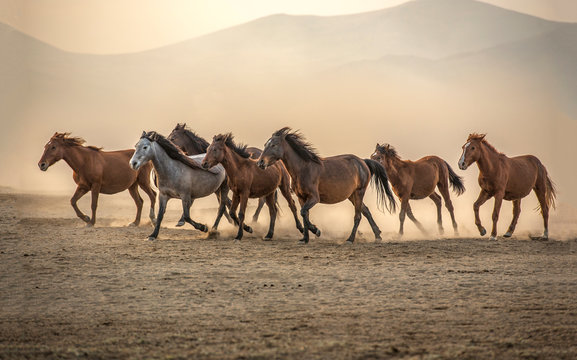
[392, 165]
[487, 163]
[75, 157]
[160, 160]
[293, 162]
[193, 149]
[232, 163]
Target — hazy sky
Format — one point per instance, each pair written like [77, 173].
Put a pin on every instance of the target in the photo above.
[116, 26]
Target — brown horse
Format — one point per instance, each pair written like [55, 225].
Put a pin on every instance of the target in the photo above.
[327, 180]
[507, 178]
[192, 144]
[97, 171]
[412, 180]
[246, 180]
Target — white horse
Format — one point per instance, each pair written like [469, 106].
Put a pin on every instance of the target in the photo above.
[179, 176]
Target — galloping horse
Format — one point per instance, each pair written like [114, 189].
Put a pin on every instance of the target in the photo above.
[192, 144]
[412, 180]
[246, 180]
[179, 176]
[326, 180]
[509, 179]
[98, 171]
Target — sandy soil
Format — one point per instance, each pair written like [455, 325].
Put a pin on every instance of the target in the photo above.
[105, 292]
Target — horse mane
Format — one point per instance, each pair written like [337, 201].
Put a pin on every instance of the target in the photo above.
[171, 149]
[228, 139]
[297, 142]
[481, 137]
[198, 142]
[73, 140]
[388, 150]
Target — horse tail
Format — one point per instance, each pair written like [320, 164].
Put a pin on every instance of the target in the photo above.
[550, 192]
[456, 181]
[380, 182]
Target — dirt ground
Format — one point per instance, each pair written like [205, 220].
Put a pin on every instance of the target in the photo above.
[68, 291]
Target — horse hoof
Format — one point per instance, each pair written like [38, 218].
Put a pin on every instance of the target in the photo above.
[213, 234]
[267, 238]
[349, 242]
[151, 238]
[493, 238]
[539, 238]
[482, 231]
[236, 241]
[318, 233]
[180, 223]
[89, 225]
[378, 239]
[303, 242]
[248, 229]
[508, 234]
[203, 228]
[132, 224]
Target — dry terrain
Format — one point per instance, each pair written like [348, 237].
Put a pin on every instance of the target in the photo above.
[68, 291]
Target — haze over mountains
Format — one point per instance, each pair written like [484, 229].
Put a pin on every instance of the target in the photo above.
[427, 68]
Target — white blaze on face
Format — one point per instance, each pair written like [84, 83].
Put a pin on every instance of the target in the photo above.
[462, 159]
[267, 143]
[375, 154]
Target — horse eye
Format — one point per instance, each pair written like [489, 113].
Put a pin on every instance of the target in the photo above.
[472, 148]
[54, 148]
[146, 147]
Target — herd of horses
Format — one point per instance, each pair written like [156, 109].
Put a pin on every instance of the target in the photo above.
[185, 166]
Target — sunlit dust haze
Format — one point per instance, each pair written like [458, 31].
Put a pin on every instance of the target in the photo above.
[420, 75]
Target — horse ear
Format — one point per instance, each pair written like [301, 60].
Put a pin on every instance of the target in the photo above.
[482, 136]
[378, 145]
[143, 134]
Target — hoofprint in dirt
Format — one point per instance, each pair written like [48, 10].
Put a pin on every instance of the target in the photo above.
[105, 292]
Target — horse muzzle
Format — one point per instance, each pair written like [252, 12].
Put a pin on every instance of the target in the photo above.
[43, 166]
[204, 165]
[134, 165]
[261, 164]
[463, 166]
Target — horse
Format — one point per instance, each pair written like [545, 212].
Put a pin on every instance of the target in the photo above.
[246, 180]
[413, 180]
[327, 180]
[192, 144]
[507, 178]
[179, 176]
[98, 171]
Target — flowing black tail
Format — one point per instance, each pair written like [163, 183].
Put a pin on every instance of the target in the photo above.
[381, 183]
[456, 181]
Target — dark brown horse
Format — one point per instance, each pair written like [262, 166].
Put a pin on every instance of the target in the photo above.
[192, 144]
[246, 180]
[327, 180]
[97, 171]
[412, 180]
[507, 178]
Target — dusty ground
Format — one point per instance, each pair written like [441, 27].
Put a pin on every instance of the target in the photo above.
[68, 292]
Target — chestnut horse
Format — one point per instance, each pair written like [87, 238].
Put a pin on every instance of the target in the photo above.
[327, 180]
[192, 144]
[246, 180]
[98, 171]
[413, 180]
[507, 178]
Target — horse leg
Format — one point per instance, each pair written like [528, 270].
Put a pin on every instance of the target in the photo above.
[133, 190]
[77, 195]
[495, 217]
[94, 192]
[312, 227]
[233, 216]
[223, 197]
[449, 205]
[438, 203]
[144, 183]
[414, 220]
[357, 199]
[221, 210]
[516, 213]
[261, 202]
[367, 214]
[162, 200]
[483, 197]
[241, 199]
[186, 204]
[307, 205]
[404, 205]
[286, 193]
[272, 209]
[542, 197]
